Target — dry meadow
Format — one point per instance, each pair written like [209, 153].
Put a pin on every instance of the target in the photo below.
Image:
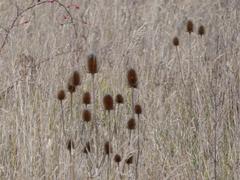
[188, 91]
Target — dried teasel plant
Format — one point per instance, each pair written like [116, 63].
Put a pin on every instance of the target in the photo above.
[61, 96]
[190, 26]
[119, 99]
[117, 158]
[86, 115]
[108, 102]
[201, 30]
[86, 98]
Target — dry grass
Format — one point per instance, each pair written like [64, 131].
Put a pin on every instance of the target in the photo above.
[184, 126]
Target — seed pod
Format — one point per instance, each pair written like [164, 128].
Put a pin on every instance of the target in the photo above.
[117, 158]
[61, 95]
[119, 99]
[92, 64]
[132, 78]
[70, 145]
[86, 115]
[131, 124]
[138, 109]
[71, 87]
[108, 102]
[175, 41]
[87, 148]
[189, 26]
[107, 148]
[86, 98]
[201, 30]
[76, 78]
[129, 160]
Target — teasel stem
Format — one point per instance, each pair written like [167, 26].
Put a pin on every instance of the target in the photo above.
[94, 119]
[63, 127]
[72, 167]
[109, 140]
[190, 56]
[180, 66]
[132, 102]
[138, 147]
[215, 140]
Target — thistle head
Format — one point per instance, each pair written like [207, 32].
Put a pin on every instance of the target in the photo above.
[138, 109]
[190, 26]
[61, 95]
[119, 99]
[92, 64]
[201, 30]
[176, 41]
[117, 158]
[86, 98]
[76, 81]
[132, 78]
[108, 102]
[131, 124]
[71, 87]
[86, 115]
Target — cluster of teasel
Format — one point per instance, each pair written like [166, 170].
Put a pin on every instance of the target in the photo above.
[189, 29]
[113, 126]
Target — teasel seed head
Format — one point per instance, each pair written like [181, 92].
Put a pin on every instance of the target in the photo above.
[132, 78]
[131, 124]
[107, 148]
[92, 64]
[108, 102]
[86, 98]
[70, 145]
[129, 160]
[61, 95]
[119, 99]
[87, 148]
[201, 30]
[71, 87]
[76, 81]
[86, 115]
[138, 109]
[176, 41]
[190, 26]
[117, 158]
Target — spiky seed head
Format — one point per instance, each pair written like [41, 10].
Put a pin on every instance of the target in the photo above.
[87, 148]
[71, 87]
[201, 30]
[119, 99]
[117, 158]
[129, 160]
[70, 145]
[61, 95]
[132, 78]
[92, 64]
[87, 98]
[107, 148]
[86, 115]
[108, 102]
[76, 81]
[190, 26]
[175, 41]
[138, 109]
[131, 124]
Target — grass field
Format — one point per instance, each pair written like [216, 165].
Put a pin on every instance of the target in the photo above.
[189, 92]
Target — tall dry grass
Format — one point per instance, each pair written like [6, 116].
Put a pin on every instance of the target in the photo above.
[188, 130]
